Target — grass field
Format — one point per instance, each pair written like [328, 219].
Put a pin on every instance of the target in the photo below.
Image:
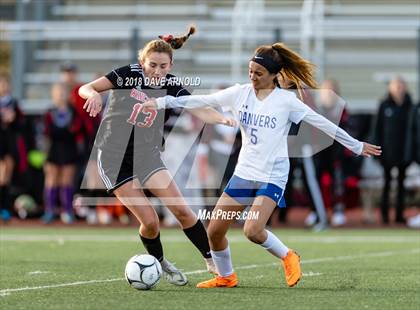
[73, 268]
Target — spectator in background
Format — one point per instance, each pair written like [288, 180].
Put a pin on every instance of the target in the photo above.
[63, 129]
[414, 222]
[317, 218]
[416, 133]
[335, 165]
[86, 170]
[69, 77]
[12, 147]
[91, 185]
[392, 132]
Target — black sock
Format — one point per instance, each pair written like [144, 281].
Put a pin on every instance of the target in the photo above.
[153, 247]
[198, 236]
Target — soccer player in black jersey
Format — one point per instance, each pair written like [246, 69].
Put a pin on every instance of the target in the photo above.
[129, 142]
[63, 131]
[11, 123]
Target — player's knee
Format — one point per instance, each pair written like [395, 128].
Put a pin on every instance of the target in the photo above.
[214, 234]
[150, 227]
[252, 232]
[51, 181]
[183, 215]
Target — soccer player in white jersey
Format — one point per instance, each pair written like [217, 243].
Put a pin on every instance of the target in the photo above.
[265, 113]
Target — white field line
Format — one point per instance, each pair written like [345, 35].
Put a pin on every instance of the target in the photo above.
[311, 274]
[8, 291]
[234, 239]
[36, 272]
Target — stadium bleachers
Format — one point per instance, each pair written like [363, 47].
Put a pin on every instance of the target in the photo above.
[363, 42]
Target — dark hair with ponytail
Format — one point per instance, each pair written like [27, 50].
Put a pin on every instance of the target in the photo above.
[299, 71]
[165, 45]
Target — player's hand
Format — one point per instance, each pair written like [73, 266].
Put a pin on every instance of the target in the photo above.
[228, 122]
[93, 105]
[151, 103]
[370, 149]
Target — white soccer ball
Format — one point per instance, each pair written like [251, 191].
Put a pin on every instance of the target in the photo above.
[143, 272]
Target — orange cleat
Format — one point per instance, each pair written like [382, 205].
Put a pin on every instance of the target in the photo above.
[291, 265]
[228, 281]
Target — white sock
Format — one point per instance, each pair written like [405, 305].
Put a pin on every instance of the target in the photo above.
[210, 264]
[223, 262]
[275, 246]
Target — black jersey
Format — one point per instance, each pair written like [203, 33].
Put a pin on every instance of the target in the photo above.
[125, 122]
[9, 131]
[63, 127]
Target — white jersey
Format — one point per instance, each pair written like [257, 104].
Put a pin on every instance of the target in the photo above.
[264, 126]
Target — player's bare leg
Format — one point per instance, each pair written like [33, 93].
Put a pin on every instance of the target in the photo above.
[161, 184]
[131, 195]
[219, 244]
[254, 230]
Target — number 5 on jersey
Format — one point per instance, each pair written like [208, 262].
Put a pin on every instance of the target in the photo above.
[149, 112]
[254, 138]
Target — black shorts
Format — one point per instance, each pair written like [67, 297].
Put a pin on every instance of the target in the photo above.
[8, 144]
[4, 149]
[116, 170]
[63, 154]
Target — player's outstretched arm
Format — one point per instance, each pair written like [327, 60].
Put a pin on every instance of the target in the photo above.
[188, 102]
[337, 133]
[90, 92]
[211, 116]
[225, 97]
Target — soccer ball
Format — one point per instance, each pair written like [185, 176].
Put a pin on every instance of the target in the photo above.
[25, 206]
[143, 272]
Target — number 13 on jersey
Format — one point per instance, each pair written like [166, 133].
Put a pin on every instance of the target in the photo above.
[149, 112]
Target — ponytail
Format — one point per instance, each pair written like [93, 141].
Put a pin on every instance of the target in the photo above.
[295, 68]
[178, 42]
[299, 71]
[166, 44]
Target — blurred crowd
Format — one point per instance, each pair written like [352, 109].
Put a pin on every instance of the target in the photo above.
[44, 160]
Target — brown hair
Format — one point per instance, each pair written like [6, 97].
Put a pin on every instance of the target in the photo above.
[165, 44]
[294, 68]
